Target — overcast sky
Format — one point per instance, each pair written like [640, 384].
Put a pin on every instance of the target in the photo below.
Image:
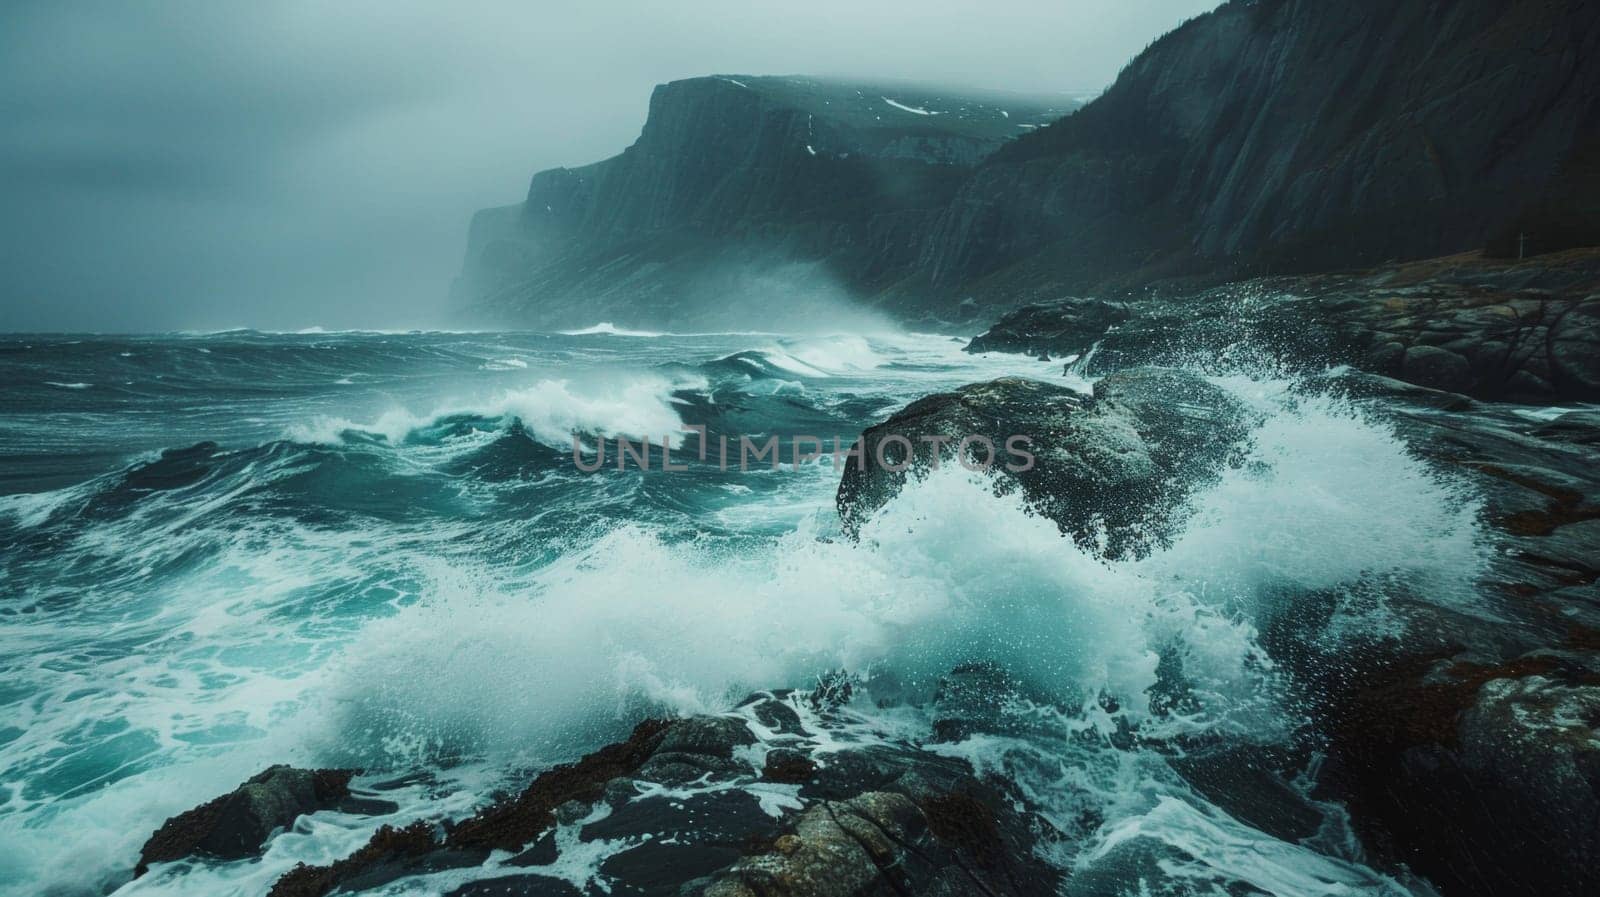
[282, 165]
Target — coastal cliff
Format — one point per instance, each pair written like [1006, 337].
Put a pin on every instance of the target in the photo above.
[739, 184]
[1273, 136]
[1286, 136]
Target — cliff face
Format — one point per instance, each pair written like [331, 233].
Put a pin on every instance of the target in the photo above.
[1266, 136]
[1295, 135]
[735, 183]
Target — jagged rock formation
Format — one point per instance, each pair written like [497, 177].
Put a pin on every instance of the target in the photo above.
[759, 801]
[1505, 331]
[1268, 135]
[777, 185]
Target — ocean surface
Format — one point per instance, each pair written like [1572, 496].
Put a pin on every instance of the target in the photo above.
[222, 551]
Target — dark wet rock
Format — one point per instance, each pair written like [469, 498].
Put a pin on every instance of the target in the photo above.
[517, 886]
[1115, 465]
[1253, 784]
[856, 818]
[505, 825]
[676, 839]
[681, 769]
[696, 748]
[773, 710]
[511, 824]
[725, 817]
[711, 736]
[788, 766]
[1360, 385]
[1436, 368]
[1469, 750]
[656, 869]
[1483, 777]
[1492, 330]
[1063, 329]
[391, 853]
[1581, 427]
[982, 698]
[869, 768]
[1574, 349]
[884, 842]
[543, 852]
[839, 848]
[238, 824]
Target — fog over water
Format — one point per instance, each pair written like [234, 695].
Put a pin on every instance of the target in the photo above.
[285, 165]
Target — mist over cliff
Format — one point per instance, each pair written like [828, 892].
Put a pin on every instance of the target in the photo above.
[790, 191]
[1266, 136]
[292, 164]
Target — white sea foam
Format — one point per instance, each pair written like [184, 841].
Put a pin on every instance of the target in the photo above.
[816, 357]
[240, 662]
[551, 411]
[1329, 496]
[947, 573]
[834, 354]
[917, 110]
[606, 328]
[506, 364]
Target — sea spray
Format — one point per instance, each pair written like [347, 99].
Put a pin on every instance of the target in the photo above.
[947, 574]
[549, 410]
[430, 598]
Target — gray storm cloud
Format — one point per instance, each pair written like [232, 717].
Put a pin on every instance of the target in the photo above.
[284, 165]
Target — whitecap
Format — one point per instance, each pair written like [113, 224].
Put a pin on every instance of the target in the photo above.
[551, 411]
[606, 328]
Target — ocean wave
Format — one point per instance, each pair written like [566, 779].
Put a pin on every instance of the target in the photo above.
[274, 602]
[506, 364]
[606, 328]
[947, 574]
[811, 358]
[552, 411]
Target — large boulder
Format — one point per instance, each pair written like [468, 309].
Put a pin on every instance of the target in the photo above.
[1112, 469]
[238, 823]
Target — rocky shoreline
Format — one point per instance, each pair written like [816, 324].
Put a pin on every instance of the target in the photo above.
[1265, 136]
[1511, 331]
[787, 793]
[1465, 748]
